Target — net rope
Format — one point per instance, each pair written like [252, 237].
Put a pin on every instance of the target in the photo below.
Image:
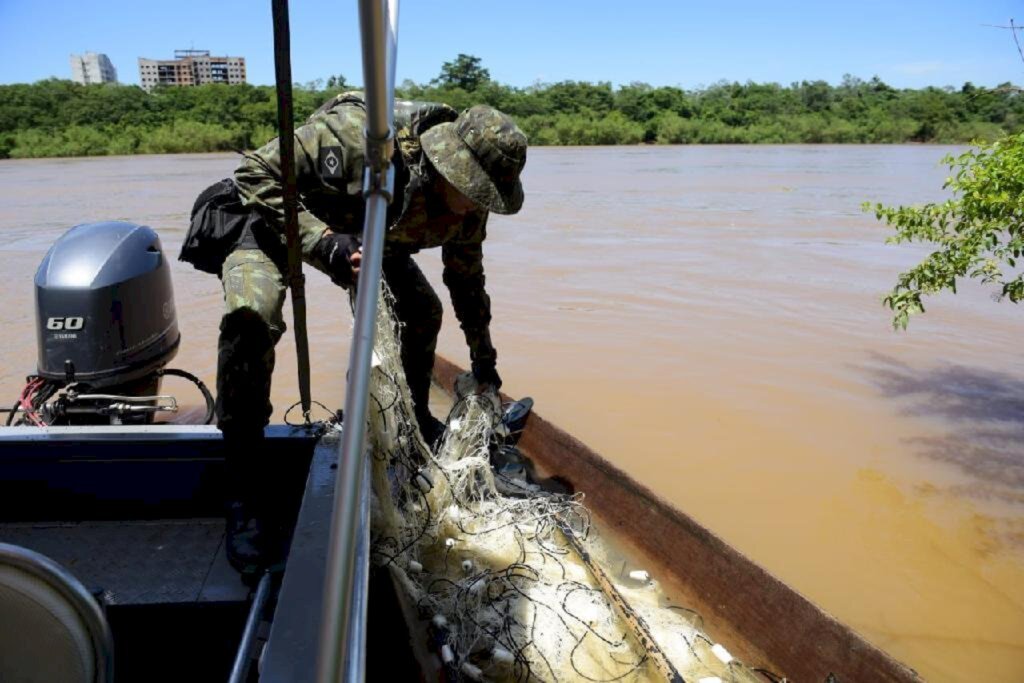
[494, 563]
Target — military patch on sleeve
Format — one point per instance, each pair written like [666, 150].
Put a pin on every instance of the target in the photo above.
[330, 162]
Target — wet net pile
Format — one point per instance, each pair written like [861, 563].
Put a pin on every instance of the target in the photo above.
[509, 577]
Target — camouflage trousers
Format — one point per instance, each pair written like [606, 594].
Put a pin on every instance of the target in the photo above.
[254, 293]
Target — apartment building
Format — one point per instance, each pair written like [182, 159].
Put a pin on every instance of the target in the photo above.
[92, 67]
[191, 67]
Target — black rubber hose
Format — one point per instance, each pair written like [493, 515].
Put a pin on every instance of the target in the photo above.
[42, 394]
[174, 372]
[12, 413]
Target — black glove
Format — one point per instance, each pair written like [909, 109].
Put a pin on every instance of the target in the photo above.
[334, 251]
[485, 373]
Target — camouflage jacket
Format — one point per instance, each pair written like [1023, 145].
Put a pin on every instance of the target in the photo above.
[329, 175]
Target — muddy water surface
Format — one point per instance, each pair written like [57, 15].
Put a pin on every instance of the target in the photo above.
[708, 318]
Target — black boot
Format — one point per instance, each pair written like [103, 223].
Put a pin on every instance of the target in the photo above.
[245, 539]
[245, 363]
[253, 541]
[431, 428]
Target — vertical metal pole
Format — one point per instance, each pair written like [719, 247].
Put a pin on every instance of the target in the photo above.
[378, 21]
[355, 665]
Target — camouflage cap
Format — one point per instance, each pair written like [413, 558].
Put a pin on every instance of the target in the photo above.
[481, 153]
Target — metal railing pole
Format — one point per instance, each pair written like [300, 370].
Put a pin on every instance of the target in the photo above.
[243, 658]
[378, 21]
[355, 665]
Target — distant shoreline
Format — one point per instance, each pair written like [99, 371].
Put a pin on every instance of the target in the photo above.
[850, 145]
[55, 118]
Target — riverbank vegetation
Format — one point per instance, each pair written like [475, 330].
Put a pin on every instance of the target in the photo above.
[60, 118]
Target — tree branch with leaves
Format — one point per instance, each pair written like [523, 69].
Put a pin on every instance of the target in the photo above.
[978, 231]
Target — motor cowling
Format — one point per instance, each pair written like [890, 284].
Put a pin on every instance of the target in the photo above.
[105, 306]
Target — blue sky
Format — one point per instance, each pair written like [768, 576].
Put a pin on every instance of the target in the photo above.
[663, 42]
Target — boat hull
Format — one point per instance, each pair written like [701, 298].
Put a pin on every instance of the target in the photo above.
[765, 622]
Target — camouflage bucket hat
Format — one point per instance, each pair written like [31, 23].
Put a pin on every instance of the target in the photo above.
[481, 153]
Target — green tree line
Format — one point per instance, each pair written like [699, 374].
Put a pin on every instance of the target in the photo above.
[60, 118]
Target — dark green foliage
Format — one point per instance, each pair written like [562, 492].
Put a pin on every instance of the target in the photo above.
[464, 72]
[337, 82]
[55, 117]
[61, 118]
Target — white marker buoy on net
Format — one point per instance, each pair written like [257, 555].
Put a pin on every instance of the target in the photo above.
[721, 653]
[423, 481]
[471, 671]
[640, 576]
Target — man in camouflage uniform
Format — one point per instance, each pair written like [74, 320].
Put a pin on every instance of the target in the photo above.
[451, 170]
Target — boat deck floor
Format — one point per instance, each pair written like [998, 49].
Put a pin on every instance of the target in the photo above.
[145, 562]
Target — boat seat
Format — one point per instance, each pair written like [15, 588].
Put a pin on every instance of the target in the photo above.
[51, 628]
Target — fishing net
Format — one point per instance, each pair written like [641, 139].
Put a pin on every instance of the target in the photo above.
[512, 579]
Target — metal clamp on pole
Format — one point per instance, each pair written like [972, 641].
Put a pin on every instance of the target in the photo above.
[379, 182]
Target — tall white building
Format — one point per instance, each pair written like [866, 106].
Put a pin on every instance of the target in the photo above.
[92, 68]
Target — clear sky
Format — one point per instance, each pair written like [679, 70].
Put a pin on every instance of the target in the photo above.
[908, 43]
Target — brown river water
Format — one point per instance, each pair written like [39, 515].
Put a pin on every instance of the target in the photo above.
[709, 319]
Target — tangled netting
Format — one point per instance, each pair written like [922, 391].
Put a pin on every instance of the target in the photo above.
[509, 577]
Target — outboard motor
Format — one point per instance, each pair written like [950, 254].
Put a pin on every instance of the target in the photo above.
[106, 327]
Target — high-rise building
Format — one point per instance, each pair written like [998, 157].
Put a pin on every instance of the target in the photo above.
[191, 67]
[92, 68]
